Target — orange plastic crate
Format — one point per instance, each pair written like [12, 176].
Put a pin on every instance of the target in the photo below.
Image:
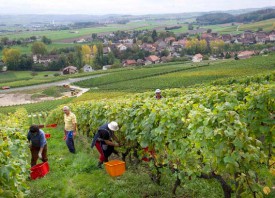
[40, 170]
[115, 167]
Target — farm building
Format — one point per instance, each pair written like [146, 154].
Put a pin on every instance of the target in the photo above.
[69, 70]
[197, 58]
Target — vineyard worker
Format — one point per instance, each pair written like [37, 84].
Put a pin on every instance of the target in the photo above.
[70, 128]
[103, 141]
[158, 94]
[37, 144]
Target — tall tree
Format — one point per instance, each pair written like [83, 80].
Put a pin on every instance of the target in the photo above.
[12, 58]
[111, 58]
[4, 40]
[94, 36]
[39, 48]
[217, 46]
[86, 53]
[25, 62]
[79, 57]
[190, 26]
[154, 35]
[98, 59]
[46, 40]
[94, 50]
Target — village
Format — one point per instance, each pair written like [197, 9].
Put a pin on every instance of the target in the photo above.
[160, 49]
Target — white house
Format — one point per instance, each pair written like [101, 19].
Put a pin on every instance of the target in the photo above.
[272, 37]
[3, 67]
[87, 68]
[121, 47]
[197, 58]
[81, 40]
[106, 67]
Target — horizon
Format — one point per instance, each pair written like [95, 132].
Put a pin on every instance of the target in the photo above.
[121, 14]
[126, 7]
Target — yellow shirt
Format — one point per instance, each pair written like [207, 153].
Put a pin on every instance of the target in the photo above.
[69, 120]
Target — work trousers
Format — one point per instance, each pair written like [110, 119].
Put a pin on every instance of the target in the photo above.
[104, 150]
[70, 141]
[34, 153]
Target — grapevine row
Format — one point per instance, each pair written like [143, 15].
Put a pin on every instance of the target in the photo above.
[221, 132]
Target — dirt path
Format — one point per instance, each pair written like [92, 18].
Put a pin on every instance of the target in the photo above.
[14, 97]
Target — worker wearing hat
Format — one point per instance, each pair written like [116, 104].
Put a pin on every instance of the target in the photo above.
[103, 141]
[158, 94]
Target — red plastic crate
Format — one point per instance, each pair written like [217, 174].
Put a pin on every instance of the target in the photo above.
[40, 170]
[47, 135]
[51, 126]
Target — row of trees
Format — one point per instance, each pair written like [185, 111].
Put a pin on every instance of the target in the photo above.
[217, 47]
[5, 41]
[17, 61]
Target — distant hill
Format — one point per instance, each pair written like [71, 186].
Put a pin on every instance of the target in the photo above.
[220, 18]
[215, 18]
[256, 16]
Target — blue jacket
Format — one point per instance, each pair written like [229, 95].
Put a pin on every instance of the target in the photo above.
[38, 140]
[103, 133]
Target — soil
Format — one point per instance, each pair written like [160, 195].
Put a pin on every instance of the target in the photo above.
[25, 97]
[19, 98]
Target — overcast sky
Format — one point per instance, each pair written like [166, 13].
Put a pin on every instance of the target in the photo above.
[124, 6]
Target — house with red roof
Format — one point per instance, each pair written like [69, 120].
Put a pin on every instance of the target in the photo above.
[130, 63]
[153, 58]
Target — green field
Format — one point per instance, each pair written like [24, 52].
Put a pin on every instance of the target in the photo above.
[65, 34]
[24, 78]
[221, 29]
[267, 25]
[12, 76]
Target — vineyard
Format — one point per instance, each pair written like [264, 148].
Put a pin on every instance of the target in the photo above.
[179, 75]
[13, 155]
[139, 73]
[213, 139]
[219, 132]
